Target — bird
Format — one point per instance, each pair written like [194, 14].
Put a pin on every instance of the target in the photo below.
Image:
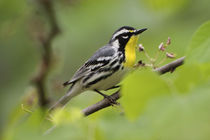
[106, 68]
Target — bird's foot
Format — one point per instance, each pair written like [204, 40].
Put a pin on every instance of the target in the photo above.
[111, 100]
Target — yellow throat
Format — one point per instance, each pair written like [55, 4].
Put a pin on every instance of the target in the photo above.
[130, 51]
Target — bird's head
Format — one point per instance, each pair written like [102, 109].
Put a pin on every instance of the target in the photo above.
[126, 34]
[125, 39]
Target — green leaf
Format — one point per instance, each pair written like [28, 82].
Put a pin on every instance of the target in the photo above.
[199, 48]
[138, 89]
[196, 71]
[64, 115]
[188, 77]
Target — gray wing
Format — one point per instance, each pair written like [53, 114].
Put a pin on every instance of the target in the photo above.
[100, 58]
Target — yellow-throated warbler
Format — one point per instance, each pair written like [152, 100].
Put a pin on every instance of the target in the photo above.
[106, 68]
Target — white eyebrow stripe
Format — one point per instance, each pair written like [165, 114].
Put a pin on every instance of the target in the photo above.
[120, 32]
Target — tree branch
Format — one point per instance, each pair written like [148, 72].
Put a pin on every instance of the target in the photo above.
[40, 78]
[170, 67]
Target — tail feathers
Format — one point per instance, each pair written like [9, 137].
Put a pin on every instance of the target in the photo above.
[66, 83]
[65, 99]
[61, 102]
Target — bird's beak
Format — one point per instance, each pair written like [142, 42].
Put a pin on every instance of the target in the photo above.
[139, 31]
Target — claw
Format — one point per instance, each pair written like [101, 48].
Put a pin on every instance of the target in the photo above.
[111, 100]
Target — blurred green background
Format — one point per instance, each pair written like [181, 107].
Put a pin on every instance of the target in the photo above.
[86, 25]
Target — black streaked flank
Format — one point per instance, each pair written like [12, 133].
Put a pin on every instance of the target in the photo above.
[88, 77]
[116, 68]
[112, 70]
[98, 79]
[100, 69]
[113, 62]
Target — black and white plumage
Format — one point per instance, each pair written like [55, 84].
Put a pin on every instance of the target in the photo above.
[104, 69]
[99, 60]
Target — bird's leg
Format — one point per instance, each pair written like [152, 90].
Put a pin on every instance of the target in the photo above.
[112, 101]
[113, 87]
[104, 95]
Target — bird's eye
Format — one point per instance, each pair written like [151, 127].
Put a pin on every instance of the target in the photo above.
[125, 37]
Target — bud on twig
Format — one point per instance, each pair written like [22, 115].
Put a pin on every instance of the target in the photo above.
[141, 48]
[170, 55]
[161, 47]
[140, 63]
[168, 41]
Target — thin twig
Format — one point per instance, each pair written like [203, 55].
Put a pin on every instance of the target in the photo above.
[100, 105]
[170, 67]
[106, 103]
[40, 79]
